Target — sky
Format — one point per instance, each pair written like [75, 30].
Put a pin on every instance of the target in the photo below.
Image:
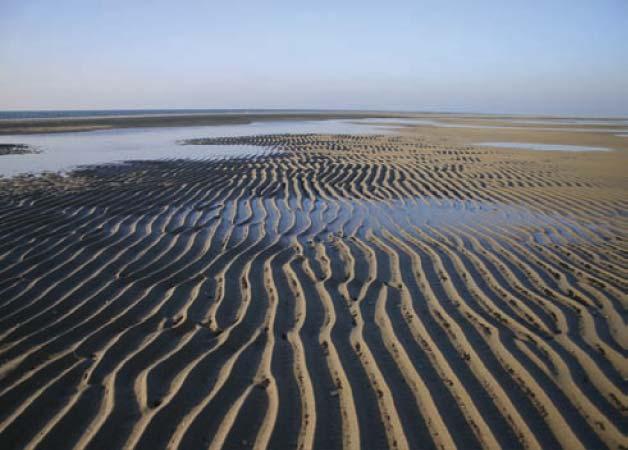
[507, 56]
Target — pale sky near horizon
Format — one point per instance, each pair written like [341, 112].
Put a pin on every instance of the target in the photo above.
[513, 56]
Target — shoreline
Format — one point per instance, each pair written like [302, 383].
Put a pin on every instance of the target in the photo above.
[18, 126]
[75, 124]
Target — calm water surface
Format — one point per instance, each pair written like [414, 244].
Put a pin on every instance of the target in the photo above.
[543, 147]
[63, 151]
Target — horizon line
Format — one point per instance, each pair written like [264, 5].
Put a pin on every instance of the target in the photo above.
[271, 109]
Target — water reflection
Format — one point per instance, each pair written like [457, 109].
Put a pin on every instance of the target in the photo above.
[544, 147]
[64, 151]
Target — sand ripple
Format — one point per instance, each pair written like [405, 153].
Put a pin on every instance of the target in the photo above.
[335, 292]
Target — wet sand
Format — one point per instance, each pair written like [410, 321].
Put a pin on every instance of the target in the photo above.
[333, 291]
[16, 149]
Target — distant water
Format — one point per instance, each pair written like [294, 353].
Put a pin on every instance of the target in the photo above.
[572, 121]
[544, 147]
[136, 112]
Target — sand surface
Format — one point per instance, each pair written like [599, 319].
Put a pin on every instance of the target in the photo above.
[332, 291]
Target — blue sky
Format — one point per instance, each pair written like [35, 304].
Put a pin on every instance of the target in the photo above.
[532, 56]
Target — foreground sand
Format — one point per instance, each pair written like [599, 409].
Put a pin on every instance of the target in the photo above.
[404, 291]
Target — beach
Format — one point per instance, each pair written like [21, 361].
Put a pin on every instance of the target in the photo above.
[423, 285]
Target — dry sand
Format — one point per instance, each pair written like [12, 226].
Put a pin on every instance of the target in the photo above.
[403, 291]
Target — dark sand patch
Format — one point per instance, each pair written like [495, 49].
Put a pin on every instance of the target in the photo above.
[16, 149]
